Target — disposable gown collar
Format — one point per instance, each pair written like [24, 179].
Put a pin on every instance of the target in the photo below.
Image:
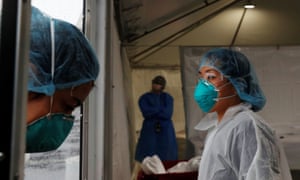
[210, 120]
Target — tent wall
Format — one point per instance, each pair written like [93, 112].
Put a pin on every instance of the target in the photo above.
[278, 70]
[120, 126]
[129, 105]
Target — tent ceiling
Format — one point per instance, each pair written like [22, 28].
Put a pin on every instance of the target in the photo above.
[153, 30]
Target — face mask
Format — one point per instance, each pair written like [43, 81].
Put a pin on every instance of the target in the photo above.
[48, 132]
[206, 95]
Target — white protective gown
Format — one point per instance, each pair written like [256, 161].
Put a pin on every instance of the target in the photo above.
[241, 147]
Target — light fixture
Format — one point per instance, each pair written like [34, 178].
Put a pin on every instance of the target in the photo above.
[249, 5]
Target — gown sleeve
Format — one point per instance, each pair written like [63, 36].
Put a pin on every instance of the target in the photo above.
[148, 107]
[243, 149]
[166, 107]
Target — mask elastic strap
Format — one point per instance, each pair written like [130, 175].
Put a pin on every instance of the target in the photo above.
[52, 32]
[78, 102]
[219, 88]
[225, 97]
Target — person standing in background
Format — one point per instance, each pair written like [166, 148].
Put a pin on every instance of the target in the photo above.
[157, 134]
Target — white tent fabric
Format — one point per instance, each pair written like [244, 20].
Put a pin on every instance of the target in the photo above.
[278, 70]
[120, 132]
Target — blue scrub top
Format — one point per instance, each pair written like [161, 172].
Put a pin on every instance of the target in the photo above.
[157, 134]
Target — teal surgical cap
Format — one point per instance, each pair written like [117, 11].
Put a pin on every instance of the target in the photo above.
[236, 67]
[74, 61]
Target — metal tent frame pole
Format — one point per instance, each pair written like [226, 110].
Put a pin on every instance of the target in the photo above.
[14, 43]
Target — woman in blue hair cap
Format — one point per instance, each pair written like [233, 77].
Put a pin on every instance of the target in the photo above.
[239, 144]
[62, 70]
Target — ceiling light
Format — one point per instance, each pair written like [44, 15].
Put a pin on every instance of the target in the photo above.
[249, 6]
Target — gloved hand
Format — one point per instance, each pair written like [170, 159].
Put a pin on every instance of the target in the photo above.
[193, 163]
[153, 165]
[179, 167]
[186, 166]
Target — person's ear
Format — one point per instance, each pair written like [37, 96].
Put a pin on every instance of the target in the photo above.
[37, 105]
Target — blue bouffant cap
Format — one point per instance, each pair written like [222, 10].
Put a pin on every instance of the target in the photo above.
[236, 67]
[75, 61]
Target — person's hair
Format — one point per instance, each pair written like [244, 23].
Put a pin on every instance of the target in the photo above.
[159, 80]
